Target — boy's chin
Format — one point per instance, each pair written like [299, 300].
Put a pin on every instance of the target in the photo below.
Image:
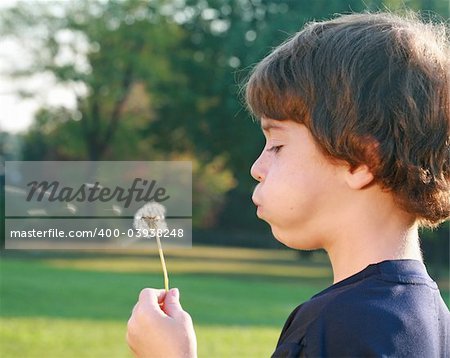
[295, 241]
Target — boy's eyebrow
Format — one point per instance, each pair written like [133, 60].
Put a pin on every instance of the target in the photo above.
[270, 125]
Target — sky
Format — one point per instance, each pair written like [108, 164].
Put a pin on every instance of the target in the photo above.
[16, 113]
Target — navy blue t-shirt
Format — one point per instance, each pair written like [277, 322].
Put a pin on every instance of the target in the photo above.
[390, 309]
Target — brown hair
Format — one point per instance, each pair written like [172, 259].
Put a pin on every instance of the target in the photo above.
[372, 89]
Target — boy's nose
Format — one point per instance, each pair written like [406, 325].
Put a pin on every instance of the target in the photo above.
[256, 171]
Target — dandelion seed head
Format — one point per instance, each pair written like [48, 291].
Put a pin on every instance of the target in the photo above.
[150, 216]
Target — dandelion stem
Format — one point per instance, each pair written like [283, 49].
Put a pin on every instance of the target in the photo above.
[163, 264]
[151, 222]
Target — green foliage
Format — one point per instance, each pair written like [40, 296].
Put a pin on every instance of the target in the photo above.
[211, 181]
[436, 250]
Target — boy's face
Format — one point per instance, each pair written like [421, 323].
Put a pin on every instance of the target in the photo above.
[299, 189]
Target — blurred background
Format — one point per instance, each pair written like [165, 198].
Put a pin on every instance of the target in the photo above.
[158, 80]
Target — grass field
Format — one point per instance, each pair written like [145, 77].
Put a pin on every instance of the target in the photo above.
[77, 305]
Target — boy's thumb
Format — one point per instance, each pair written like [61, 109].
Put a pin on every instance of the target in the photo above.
[172, 305]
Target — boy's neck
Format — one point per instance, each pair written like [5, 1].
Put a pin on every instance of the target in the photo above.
[363, 240]
[355, 260]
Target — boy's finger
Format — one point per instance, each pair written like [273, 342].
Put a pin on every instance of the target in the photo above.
[152, 297]
[150, 293]
[172, 306]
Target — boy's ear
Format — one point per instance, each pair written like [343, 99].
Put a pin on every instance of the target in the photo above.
[359, 177]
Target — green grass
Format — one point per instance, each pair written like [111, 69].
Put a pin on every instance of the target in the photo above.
[56, 337]
[77, 304]
[43, 337]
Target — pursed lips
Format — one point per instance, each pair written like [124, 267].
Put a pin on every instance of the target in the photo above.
[257, 204]
[254, 199]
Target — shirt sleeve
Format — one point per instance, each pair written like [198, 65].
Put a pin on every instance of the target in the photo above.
[289, 350]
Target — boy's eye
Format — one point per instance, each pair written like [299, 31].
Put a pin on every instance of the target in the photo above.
[275, 148]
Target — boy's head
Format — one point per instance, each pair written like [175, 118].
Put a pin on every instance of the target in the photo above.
[374, 90]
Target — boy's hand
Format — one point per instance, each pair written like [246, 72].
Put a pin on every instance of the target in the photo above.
[158, 326]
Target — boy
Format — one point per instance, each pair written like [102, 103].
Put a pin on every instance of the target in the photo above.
[356, 115]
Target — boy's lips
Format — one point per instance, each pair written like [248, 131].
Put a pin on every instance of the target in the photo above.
[258, 206]
[255, 202]
[259, 210]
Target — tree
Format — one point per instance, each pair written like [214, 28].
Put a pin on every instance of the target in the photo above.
[108, 53]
